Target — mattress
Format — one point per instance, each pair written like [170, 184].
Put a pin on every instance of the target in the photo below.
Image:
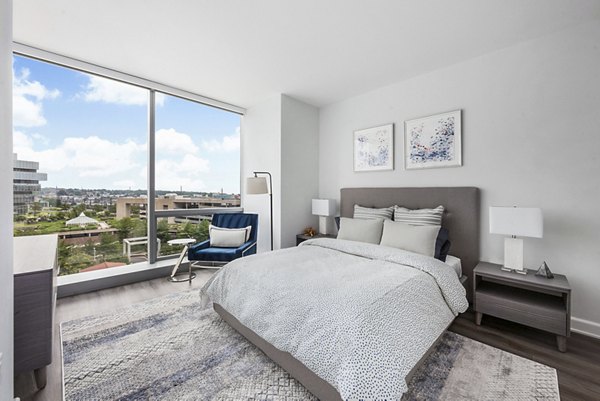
[353, 304]
[455, 264]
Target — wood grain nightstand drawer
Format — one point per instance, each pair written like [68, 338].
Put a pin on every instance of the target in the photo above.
[542, 311]
[526, 299]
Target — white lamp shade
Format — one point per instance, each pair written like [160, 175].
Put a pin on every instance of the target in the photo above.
[323, 207]
[256, 186]
[517, 221]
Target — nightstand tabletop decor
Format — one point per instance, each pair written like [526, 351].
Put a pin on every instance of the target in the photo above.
[303, 237]
[526, 299]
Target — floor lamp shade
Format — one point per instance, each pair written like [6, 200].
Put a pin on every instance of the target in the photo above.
[516, 221]
[256, 185]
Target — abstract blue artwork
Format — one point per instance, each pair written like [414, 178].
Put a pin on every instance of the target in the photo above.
[374, 148]
[433, 141]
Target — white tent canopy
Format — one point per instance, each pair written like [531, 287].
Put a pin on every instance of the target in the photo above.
[81, 220]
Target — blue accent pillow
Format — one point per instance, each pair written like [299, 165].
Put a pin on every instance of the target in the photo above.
[442, 244]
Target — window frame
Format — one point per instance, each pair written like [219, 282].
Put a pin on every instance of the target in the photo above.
[153, 87]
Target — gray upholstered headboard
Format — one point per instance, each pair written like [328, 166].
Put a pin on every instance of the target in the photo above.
[461, 216]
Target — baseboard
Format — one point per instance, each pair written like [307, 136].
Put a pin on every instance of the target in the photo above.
[585, 327]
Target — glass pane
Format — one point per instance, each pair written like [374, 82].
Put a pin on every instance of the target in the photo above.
[169, 230]
[80, 145]
[197, 155]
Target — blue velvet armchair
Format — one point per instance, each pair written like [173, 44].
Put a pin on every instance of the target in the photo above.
[203, 252]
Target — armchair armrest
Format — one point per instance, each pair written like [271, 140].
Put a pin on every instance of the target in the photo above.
[200, 245]
[247, 247]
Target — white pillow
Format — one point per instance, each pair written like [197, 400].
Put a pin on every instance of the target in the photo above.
[419, 217]
[418, 239]
[383, 213]
[362, 230]
[228, 237]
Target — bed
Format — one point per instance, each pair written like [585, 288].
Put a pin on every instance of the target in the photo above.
[351, 320]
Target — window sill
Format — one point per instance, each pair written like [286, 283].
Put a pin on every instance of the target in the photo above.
[81, 283]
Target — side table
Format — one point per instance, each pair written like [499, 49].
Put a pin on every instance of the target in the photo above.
[526, 299]
[186, 242]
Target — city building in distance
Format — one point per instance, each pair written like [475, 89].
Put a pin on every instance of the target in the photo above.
[175, 201]
[26, 183]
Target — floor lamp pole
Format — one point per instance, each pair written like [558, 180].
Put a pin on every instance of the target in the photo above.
[270, 199]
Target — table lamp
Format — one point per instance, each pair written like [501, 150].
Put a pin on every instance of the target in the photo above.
[324, 208]
[516, 221]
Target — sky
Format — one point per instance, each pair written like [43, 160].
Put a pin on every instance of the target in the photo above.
[90, 132]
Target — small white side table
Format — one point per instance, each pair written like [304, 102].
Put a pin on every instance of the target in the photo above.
[186, 245]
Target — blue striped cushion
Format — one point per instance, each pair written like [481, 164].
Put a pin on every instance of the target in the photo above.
[419, 217]
[370, 213]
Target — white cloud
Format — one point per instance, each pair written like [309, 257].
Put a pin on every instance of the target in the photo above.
[106, 90]
[39, 138]
[21, 140]
[227, 144]
[178, 163]
[173, 174]
[169, 141]
[85, 157]
[27, 100]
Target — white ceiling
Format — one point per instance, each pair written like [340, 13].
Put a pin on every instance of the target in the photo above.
[319, 51]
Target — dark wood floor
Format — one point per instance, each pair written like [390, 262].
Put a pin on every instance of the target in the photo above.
[578, 369]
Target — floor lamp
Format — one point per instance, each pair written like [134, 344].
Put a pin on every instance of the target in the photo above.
[258, 186]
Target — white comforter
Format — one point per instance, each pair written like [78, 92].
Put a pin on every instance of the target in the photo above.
[358, 315]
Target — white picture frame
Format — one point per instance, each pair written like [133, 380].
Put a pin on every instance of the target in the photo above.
[374, 148]
[434, 141]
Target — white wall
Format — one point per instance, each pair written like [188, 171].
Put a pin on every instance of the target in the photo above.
[280, 135]
[6, 227]
[261, 151]
[531, 137]
[300, 168]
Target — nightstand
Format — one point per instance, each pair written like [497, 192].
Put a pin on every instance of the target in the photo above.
[526, 299]
[303, 237]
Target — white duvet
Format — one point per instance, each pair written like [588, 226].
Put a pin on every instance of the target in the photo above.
[358, 315]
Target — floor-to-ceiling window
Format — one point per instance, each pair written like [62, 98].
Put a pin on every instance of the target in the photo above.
[81, 146]
[197, 166]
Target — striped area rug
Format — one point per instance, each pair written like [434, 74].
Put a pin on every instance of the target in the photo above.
[169, 348]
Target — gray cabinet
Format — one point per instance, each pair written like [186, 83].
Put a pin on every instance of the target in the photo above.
[35, 267]
[526, 299]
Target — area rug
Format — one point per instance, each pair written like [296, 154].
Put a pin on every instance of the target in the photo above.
[169, 348]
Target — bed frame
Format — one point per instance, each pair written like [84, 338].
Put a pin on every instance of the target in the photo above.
[461, 218]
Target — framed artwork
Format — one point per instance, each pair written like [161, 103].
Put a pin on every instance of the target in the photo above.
[433, 141]
[374, 148]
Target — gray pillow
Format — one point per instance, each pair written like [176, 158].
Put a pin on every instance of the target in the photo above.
[419, 217]
[384, 213]
[361, 230]
[418, 239]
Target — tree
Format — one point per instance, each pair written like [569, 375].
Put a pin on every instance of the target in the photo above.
[76, 211]
[36, 207]
[76, 261]
[20, 217]
[162, 231]
[125, 227]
